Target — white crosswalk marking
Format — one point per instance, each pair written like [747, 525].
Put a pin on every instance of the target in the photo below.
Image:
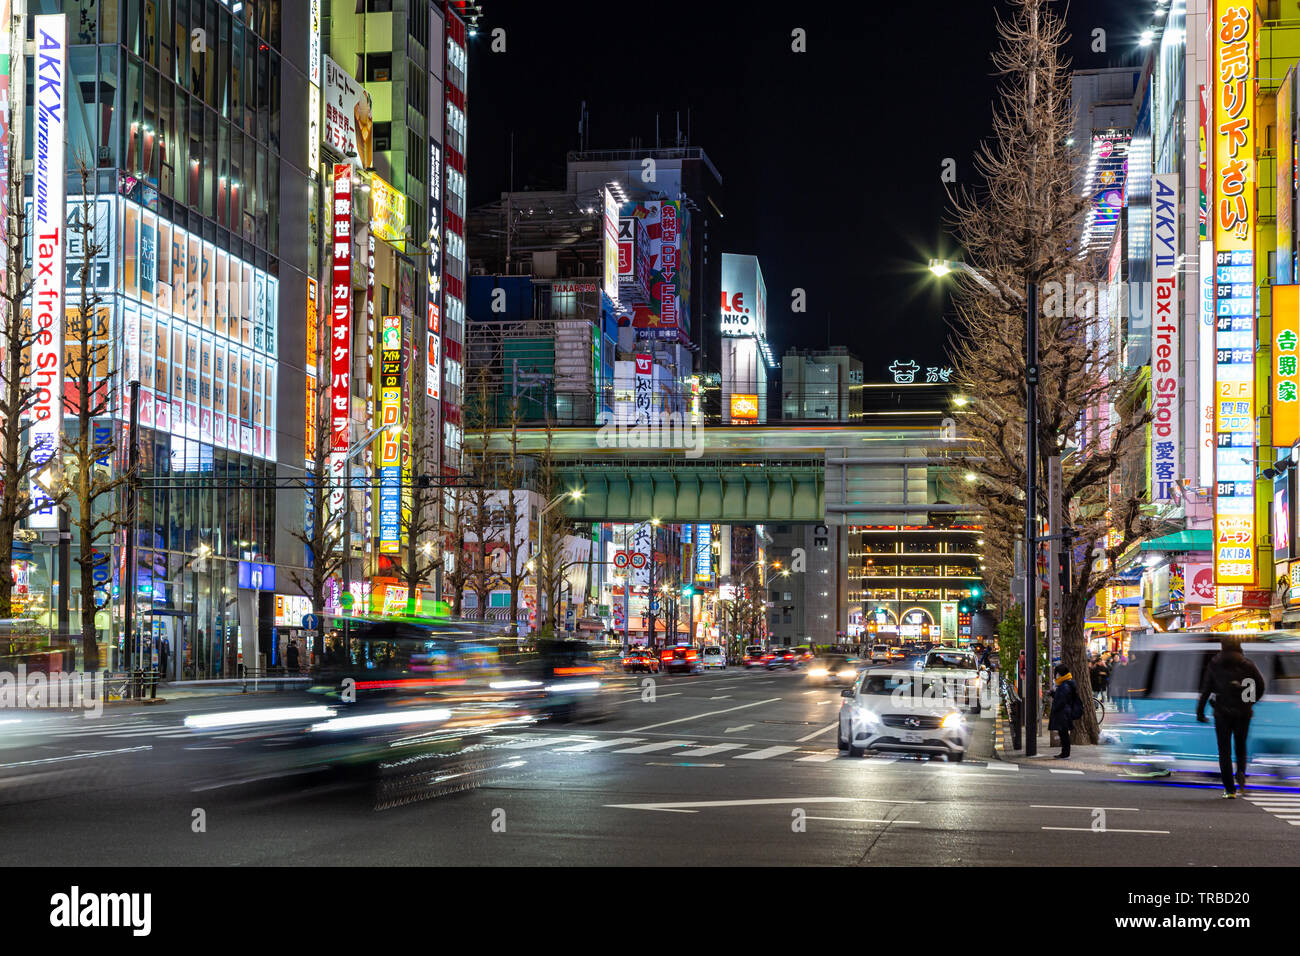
[1284, 806]
[710, 751]
[821, 757]
[539, 742]
[765, 753]
[1054, 770]
[1013, 767]
[597, 744]
[651, 748]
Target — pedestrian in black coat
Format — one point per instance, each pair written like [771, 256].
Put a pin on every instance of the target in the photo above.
[1066, 708]
[291, 656]
[1235, 683]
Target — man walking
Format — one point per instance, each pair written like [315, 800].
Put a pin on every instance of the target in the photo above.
[1236, 684]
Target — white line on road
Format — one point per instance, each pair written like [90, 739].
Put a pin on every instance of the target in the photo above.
[711, 750]
[712, 713]
[696, 806]
[629, 700]
[651, 748]
[722, 697]
[1053, 806]
[1054, 770]
[825, 757]
[542, 742]
[94, 753]
[765, 753]
[735, 730]
[818, 732]
[1102, 830]
[1014, 767]
[862, 820]
[597, 744]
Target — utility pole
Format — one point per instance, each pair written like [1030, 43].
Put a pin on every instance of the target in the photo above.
[1031, 522]
[132, 494]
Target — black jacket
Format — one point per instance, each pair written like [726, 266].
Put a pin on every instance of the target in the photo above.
[1062, 698]
[1225, 678]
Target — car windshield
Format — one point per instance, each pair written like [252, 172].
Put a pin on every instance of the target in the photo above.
[753, 650]
[950, 659]
[903, 686]
[712, 651]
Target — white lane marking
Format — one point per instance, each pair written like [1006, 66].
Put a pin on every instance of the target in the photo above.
[1102, 830]
[765, 753]
[723, 697]
[1013, 767]
[597, 744]
[818, 733]
[880, 759]
[862, 820]
[93, 753]
[1054, 770]
[1057, 806]
[821, 757]
[651, 748]
[541, 742]
[711, 750]
[696, 806]
[629, 700]
[733, 730]
[654, 764]
[712, 713]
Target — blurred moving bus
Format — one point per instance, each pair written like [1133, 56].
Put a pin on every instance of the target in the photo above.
[1152, 719]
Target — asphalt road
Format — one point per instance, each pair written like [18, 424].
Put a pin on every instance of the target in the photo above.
[719, 768]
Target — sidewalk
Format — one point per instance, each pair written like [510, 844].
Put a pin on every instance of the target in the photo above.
[1095, 759]
[191, 690]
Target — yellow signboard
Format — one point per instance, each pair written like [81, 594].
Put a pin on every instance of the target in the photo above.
[387, 211]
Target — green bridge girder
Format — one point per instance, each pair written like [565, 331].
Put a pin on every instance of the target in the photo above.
[791, 472]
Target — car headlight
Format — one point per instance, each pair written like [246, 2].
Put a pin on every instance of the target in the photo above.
[867, 717]
[847, 672]
[952, 720]
[818, 672]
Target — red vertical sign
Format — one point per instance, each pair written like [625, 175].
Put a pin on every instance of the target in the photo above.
[340, 330]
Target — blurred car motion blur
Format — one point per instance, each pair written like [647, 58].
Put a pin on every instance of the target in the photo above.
[1151, 718]
[834, 669]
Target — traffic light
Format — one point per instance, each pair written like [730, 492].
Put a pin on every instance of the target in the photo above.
[975, 593]
[688, 591]
[1063, 570]
[964, 608]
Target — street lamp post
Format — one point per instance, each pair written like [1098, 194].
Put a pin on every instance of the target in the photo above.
[941, 267]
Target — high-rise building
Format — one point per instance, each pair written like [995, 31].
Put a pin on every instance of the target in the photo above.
[821, 383]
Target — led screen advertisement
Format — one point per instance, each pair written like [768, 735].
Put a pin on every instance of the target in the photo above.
[48, 226]
[744, 297]
[389, 440]
[633, 262]
[1233, 180]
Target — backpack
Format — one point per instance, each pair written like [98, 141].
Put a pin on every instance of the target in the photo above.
[1076, 705]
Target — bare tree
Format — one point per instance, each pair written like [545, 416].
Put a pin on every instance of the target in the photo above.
[420, 522]
[516, 502]
[1022, 230]
[458, 568]
[551, 563]
[17, 395]
[483, 514]
[95, 393]
[322, 538]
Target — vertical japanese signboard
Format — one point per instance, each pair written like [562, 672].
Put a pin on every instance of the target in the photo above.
[1286, 356]
[1166, 363]
[643, 384]
[390, 453]
[1234, 214]
[433, 369]
[49, 249]
[704, 554]
[340, 334]
[610, 217]
[313, 323]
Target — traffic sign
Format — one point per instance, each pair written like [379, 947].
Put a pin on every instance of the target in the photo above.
[309, 622]
[654, 607]
[638, 560]
[620, 559]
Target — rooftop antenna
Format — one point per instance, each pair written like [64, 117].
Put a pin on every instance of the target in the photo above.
[656, 131]
[678, 140]
[582, 113]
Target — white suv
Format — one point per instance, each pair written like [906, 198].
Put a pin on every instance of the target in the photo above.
[902, 710]
[713, 657]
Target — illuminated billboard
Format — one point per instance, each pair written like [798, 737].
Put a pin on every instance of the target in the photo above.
[1234, 176]
[1166, 361]
[387, 211]
[610, 245]
[48, 241]
[340, 390]
[666, 224]
[349, 126]
[744, 297]
[1286, 357]
[389, 440]
[744, 408]
[633, 262]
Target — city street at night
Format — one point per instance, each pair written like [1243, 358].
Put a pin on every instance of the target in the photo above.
[715, 770]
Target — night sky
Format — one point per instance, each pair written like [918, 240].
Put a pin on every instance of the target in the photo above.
[830, 159]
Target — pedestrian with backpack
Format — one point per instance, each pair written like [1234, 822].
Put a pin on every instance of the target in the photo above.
[1067, 707]
[1236, 683]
